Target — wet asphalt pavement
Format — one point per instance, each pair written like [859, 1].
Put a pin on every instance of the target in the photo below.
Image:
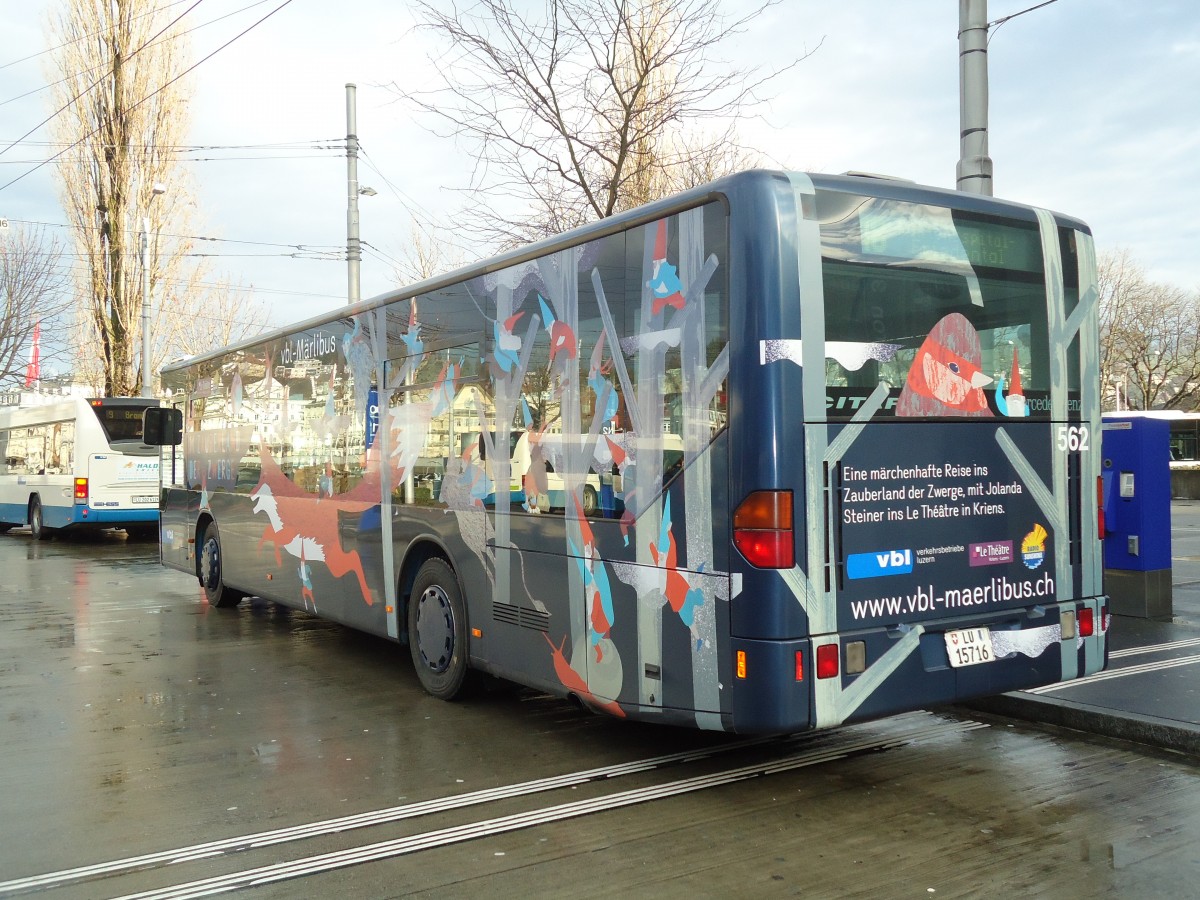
[186, 751]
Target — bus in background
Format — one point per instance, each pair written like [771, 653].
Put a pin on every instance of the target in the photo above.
[74, 462]
[1184, 439]
[850, 427]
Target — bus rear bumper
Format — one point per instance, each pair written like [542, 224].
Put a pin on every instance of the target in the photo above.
[771, 690]
[1030, 648]
[778, 689]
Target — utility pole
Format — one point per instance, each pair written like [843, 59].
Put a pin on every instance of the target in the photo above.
[974, 164]
[353, 245]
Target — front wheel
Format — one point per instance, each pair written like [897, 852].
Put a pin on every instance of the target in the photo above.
[212, 576]
[437, 630]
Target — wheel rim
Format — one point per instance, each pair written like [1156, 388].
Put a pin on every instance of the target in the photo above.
[35, 519]
[435, 629]
[210, 564]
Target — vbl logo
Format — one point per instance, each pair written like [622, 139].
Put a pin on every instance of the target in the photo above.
[881, 562]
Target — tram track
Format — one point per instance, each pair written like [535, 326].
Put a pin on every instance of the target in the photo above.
[823, 747]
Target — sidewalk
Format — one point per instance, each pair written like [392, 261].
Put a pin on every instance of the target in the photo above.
[1150, 692]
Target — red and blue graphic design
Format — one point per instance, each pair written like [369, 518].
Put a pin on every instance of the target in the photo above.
[665, 286]
[945, 378]
[682, 597]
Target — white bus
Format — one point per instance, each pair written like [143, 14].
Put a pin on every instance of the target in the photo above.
[78, 463]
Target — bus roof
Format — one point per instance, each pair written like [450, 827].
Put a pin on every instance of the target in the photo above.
[719, 190]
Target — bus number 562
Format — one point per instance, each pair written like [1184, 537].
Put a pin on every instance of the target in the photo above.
[1073, 438]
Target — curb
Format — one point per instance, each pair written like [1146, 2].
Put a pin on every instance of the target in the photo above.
[1165, 734]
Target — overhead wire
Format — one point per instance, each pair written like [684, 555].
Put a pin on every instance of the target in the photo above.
[251, 289]
[63, 160]
[994, 26]
[190, 237]
[428, 221]
[68, 104]
[85, 72]
[155, 92]
[84, 37]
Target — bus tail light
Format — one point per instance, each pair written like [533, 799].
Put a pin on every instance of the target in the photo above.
[1086, 622]
[81, 490]
[762, 529]
[827, 660]
[1100, 506]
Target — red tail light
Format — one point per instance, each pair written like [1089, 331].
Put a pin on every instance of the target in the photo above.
[827, 660]
[1087, 623]
[762, 529]
[1100, 507]
[81, 490]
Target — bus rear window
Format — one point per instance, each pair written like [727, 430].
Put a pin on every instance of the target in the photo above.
[121, 422]
[945, 307]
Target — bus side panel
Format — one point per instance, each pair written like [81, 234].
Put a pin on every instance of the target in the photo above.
[765, 410]
[631, 668]
[312, 561]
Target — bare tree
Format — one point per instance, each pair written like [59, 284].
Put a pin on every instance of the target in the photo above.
[118, 99]
[1149, 338]
[225, 314]
[32, 294]
[599, 107]
[424, 256]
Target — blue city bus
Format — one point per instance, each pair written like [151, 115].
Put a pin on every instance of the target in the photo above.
[838, 438]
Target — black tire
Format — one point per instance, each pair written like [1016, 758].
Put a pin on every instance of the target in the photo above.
[211, 574]
[437, 631]
[591, 503]
[37, 525]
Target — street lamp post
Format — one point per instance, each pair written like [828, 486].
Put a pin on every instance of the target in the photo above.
[147, 387]
[974, 164]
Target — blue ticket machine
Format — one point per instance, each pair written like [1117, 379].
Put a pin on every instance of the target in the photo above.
[1137, 515]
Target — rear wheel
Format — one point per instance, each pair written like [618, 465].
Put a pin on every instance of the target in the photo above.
[437, 630]
[591, 502]
[37, 525]
[211, 571]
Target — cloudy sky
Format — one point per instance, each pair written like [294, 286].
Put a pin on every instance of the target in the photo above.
[1094, 112]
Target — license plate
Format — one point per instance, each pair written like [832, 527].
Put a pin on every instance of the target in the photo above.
[969, 646]
[145, 498]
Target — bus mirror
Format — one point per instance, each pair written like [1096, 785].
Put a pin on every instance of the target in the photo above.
[162, 426]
